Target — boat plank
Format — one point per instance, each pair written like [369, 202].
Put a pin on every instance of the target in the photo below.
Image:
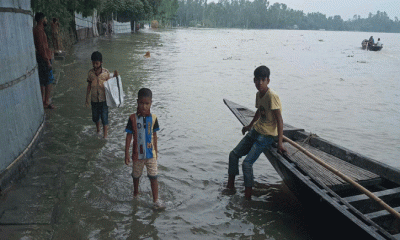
[397, 236]
[380, 213]
[362, 197]
[315, 170]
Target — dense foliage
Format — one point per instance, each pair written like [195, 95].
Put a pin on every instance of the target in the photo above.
[259, 14]
[124, 10]
[256, 14]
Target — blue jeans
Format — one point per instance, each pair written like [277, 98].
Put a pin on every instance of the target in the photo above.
[100, 110]
[252, 145]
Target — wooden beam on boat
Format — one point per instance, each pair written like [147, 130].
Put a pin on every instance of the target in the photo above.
[397, 236]
[381, 213]
[362, 197]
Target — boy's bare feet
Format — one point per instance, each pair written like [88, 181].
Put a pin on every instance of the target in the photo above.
[98, 127]
[49, 106]
[247, 193]
[159, 205]
[105, 130]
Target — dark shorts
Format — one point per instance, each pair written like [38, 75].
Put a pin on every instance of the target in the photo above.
[45, 74]
[100, 110]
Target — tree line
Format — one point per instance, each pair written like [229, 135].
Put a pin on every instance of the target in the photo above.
[256, 14]
[259, 14]
[122, 10]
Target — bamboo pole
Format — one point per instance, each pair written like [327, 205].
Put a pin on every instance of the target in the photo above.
[344, 177]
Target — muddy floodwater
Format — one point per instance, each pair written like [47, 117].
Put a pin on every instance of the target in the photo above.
[81, 189]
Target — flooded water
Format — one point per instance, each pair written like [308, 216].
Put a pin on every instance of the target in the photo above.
[326, 83]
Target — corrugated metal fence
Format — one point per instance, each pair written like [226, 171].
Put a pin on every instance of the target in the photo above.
[86, 27]
[21, 110]
[122, 27]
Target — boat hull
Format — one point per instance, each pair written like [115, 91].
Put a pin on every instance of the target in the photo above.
[375, 48]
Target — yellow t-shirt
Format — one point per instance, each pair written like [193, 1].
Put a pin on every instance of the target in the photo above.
[267, 124]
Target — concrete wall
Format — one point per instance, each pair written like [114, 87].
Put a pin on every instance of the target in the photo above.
[21, 110]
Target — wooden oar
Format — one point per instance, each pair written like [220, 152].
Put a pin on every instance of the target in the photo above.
[344, 177]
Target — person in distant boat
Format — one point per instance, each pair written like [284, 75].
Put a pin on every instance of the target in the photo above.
[142, 128]
[378, 43]
[370, 42]
[266, 125]
[43, 58]
[96, 92]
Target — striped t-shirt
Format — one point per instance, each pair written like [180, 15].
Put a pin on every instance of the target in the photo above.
[145, 126]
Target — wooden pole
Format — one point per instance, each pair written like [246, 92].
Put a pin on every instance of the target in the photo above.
[344, 177]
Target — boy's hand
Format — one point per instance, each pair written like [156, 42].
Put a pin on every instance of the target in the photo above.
[87, 104]
[245, 129]
[281, 149]
[127, 160]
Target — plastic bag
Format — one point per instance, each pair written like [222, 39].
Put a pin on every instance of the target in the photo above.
[114, 92]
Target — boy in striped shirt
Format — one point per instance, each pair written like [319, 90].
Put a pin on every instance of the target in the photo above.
[142, 127]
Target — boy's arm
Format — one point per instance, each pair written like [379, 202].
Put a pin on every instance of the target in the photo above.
[255, 118]
[279, 120]
[155, 143]
[89, 88]
[114, 75]
[127, 146]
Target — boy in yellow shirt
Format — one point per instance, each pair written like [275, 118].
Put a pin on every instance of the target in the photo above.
[97, 93]
[262, 130]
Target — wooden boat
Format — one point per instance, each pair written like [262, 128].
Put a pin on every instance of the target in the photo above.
[374, 48]
[365, 45]
[316, 187]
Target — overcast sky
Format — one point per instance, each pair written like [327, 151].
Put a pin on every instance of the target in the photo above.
[345, 8]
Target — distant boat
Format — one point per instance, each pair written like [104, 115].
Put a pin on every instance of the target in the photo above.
[371, 47]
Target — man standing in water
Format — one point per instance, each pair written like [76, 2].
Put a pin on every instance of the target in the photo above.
[55, 35]
[43, 57]
[265, 126]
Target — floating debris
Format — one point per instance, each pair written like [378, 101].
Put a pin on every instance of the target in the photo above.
[321, 40]
[363, 61]
[350, 55]
[147, 55]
